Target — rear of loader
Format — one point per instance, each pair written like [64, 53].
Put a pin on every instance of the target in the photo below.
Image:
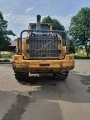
[43, 50]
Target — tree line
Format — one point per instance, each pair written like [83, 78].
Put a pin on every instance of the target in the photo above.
[79, 30]
[4, 32]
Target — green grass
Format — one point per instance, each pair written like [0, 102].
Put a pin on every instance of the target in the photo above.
[5, 54]
[81, 56]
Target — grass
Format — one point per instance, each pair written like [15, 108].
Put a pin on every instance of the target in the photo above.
[10, 54]
[81, 56]
[5, 54]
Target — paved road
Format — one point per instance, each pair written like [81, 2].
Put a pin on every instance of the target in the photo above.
[47, 99]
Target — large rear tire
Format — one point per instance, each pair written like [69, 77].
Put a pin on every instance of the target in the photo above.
[21, 76]
[61, 76]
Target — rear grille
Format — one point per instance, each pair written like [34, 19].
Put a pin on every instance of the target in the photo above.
[44, 46]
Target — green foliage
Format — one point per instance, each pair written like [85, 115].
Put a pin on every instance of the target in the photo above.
[55, 23]
[4, 33]
[81, 56]
[71, 46]
[5, 54]
[80, 27]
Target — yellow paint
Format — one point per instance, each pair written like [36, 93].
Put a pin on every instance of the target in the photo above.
[20, 63]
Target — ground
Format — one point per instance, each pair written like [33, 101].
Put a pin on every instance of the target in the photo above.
[47, 99]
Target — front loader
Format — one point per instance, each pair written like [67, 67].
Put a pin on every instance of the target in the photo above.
[43, 50]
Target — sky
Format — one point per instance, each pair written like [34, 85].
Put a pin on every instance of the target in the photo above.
[19, 13]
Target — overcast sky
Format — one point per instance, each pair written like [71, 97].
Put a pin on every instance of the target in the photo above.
[19, 13]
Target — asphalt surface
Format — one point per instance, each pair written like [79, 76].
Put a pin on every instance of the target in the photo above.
[46, 98]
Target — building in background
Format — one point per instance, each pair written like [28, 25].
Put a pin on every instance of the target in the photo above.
[11, 48]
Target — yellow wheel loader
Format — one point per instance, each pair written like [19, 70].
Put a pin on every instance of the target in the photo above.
[43, 50]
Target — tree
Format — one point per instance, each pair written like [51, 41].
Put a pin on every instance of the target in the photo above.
[71, 46]
[4, 33]
[80, 28]
[55, 23]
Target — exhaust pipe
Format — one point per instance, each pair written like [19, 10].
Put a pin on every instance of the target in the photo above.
[38, 26]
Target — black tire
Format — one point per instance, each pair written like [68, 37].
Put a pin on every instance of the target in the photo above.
[61, 76]
[21, 76]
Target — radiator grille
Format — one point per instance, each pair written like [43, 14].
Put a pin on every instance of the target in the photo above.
[43, 45]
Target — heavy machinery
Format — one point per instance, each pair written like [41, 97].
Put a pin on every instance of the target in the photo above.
[43, 50]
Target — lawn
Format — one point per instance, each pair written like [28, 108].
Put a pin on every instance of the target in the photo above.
[81, 56]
